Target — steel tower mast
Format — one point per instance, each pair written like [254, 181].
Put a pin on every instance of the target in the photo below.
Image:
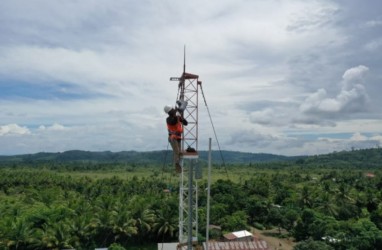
[188, 217]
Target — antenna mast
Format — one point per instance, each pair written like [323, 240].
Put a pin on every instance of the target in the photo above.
[184, 59]
[188, 189]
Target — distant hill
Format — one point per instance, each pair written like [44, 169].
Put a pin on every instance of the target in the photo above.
[363, 158]
[149, 157]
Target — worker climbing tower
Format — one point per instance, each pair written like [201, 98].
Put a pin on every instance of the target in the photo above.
[188, 86]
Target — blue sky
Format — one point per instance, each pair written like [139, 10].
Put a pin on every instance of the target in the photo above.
[286, 77]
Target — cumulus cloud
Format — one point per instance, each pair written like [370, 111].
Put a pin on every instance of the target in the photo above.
[354, 75]
[53, 127]
[372, 140]
[265, 116]
[13, 129]
[351, 98]
[358, 137]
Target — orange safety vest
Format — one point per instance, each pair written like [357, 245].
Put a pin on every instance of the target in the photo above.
[175, 131]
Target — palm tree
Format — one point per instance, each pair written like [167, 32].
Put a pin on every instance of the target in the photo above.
[57, 236]
[144, 216]
[166, 224]
[103, 225]
[145, 220]
[326, 204]
[345, 203]
[306, 199]
[123, 223]
[18, 233]
[343, 195]
[83, 228]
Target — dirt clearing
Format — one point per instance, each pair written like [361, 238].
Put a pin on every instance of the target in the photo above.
[274, 242]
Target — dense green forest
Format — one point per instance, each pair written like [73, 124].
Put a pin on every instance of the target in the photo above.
[332, 201]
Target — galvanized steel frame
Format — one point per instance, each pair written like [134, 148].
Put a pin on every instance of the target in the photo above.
[188, 190]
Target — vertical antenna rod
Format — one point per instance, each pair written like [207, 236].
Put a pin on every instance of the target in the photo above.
[184, 59]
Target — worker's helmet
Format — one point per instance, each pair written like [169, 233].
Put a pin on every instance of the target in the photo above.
[167, 108]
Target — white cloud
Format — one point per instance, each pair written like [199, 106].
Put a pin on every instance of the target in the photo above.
[351, 98]
[358, 137]
[54, 127]
[265, 116]
[13, 129]
[373, 140]
[354, 75]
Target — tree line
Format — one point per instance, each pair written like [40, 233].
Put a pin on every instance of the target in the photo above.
[360, 159]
